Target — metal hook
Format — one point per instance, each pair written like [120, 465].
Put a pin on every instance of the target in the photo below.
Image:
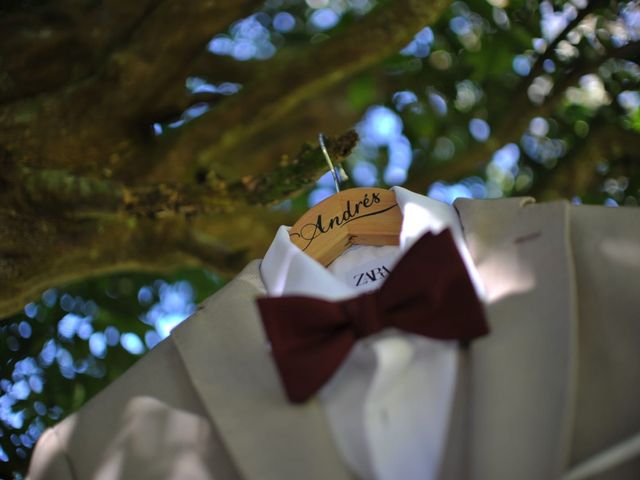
[332, 169]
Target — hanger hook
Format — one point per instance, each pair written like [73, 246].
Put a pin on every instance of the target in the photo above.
[332, 169]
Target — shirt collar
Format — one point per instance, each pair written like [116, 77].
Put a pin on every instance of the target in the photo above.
[287, 270]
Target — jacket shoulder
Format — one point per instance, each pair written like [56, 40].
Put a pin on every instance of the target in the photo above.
[50, 460]
[151, 415]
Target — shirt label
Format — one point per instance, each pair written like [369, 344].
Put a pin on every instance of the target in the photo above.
[371, 275]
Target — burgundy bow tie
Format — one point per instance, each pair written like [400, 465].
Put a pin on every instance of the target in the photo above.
[428, 293]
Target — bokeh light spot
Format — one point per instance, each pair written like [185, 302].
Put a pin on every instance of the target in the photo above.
[479, 129]
[132, 343]
[284, 22]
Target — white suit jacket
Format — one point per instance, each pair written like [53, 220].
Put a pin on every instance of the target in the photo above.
[552, 392]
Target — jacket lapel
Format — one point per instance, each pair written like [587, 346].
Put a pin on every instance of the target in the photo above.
[521, 376]
[227, 358]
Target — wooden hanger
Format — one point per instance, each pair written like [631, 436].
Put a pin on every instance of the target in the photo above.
[363, 216]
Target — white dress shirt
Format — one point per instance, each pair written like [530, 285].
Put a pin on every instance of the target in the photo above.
[389, 403]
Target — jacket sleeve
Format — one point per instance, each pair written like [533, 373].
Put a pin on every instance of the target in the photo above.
[50, 460]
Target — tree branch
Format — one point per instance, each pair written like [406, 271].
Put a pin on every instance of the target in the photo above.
[52, 191]
[39, 252]
[294, 175]
[127, 76]
[79, 35]
[179, 30]
[307, 73]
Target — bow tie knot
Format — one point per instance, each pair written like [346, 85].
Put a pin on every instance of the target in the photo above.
[428, 293]
[364, 314]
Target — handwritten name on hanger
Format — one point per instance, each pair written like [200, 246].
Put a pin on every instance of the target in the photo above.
[364, 207]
